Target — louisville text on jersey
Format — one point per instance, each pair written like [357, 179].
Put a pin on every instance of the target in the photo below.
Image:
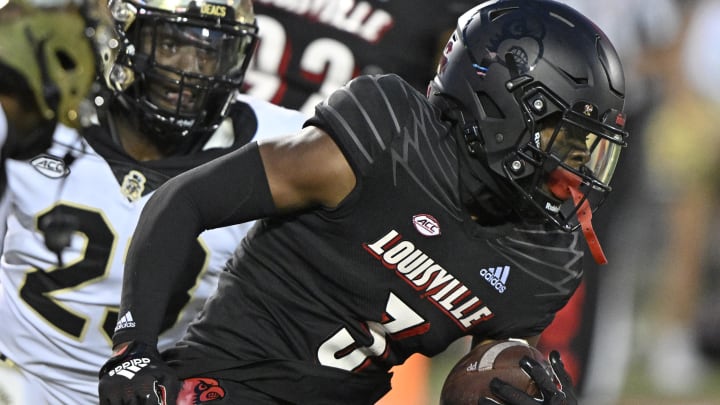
[422, 273]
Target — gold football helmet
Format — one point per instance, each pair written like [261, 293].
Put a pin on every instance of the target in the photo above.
[54, 48]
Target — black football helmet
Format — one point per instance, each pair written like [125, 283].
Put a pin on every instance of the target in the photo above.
[182, 63]
[511, 70]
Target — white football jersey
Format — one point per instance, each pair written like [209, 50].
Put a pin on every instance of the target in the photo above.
[58, 316]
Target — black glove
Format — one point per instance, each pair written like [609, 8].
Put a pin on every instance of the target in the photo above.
[551, 392]
[137, 375]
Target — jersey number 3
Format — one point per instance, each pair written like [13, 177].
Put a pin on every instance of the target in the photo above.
[341, 350]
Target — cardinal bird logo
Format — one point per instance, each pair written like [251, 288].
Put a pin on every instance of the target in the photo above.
[196, 391]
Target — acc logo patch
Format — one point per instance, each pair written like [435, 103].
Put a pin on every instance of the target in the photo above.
[426, 224]
[133, 185]
[50, 166]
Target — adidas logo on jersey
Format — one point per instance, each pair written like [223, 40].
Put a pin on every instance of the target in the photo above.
[126, 321]
[129, 368]
[496, 277]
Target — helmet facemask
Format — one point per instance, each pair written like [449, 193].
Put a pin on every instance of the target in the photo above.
[182, 71]
[572, 145]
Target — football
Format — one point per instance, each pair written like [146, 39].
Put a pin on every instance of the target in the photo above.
[469, 380]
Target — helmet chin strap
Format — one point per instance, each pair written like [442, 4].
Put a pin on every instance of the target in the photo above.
[564, 185]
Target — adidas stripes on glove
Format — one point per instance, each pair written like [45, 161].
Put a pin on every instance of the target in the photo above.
[137, 375]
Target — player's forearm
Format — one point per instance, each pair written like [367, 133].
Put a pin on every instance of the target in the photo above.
[161, 248]
[226, 191]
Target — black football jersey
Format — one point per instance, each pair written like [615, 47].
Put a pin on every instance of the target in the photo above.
[308, 49]
[399, 267]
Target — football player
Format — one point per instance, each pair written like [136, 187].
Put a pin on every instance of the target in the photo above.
[305, 53]
[394, 223]
[171, 103]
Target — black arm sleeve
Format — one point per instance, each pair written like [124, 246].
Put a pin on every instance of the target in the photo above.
[229, 190]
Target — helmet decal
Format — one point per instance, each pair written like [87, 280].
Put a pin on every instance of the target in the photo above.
[522, 42]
